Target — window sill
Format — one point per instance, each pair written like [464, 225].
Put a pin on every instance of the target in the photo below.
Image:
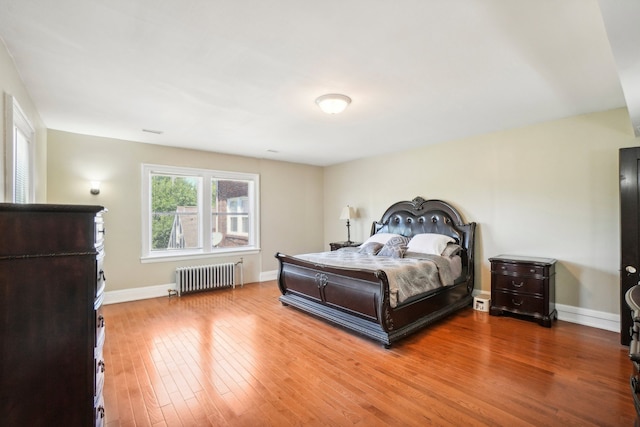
[185, 257]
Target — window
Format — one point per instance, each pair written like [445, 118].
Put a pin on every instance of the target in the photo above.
[190, 212]
[19, 187]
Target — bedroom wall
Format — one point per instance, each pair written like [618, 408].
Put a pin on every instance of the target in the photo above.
[10, 83]
[291, 197]
[548, 190]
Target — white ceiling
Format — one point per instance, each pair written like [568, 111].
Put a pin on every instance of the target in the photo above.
[241, 76]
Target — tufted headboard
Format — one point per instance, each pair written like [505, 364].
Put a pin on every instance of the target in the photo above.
[409, 218]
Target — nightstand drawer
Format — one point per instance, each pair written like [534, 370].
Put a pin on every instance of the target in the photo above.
[518, 303]
[519, 269]
[520, 284]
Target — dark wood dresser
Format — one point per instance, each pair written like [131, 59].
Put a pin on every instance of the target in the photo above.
[524, 286]
[51, 329]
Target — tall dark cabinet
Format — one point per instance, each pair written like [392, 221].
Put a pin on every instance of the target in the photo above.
[51, 326]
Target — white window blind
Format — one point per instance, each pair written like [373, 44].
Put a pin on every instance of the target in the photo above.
[19, 154]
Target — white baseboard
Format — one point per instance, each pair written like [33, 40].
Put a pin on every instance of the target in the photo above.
[134, 294]
[581, 316]
[146, 292]
[586, 317]
[266, 276]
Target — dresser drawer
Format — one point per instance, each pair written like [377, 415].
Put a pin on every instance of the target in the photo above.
[101, 279]
[518, 269]
[99, 413]
[520, 284]
[517, 303]
[100, 328]
[99, 231]
[99, 378]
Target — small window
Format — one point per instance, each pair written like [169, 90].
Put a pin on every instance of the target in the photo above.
[20, 154]
[196, 212]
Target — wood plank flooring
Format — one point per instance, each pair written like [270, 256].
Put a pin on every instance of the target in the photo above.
[237, 357]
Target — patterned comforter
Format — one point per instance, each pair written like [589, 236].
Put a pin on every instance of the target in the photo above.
[407, 276]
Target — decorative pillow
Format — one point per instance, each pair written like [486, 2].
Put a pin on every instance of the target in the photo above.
[395, 247]
[452, 249]
[429, 243]
[379, 238]
[370, 248]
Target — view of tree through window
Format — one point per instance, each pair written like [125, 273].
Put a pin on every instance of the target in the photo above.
[174, 206]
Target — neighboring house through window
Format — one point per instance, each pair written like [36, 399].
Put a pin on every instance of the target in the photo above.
[191, 212]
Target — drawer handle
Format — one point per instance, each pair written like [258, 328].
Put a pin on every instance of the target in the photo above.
[321, 280]
[517, 285]
[503, 267]
[101, 275]
[101, 411]
[101, 365]
[516, 303]
[101, 321]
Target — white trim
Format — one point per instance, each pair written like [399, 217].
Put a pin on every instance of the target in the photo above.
[134, 294]
[204, 199]
[186, 257]
[587, 317]
[266, 276]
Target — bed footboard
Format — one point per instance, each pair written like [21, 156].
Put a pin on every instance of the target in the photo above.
[359, 293]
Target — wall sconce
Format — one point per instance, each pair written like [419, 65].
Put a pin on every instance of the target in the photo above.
[348, 213]
[95, 187]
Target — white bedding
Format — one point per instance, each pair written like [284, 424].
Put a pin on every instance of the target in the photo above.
[407, 276]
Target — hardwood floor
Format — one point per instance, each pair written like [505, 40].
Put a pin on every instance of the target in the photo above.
[240, 358]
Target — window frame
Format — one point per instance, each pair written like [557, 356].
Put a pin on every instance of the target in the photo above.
[16, 121]
[205, 213]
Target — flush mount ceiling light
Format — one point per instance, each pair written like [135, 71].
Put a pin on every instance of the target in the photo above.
[333, 103]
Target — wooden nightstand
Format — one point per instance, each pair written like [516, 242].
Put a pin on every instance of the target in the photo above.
[524, 286]
[337, 245]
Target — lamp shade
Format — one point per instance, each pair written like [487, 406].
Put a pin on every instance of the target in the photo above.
[333, 103]
[348, 213]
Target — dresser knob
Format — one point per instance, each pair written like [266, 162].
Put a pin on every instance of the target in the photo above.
[516, 303]
[101, 365]
[517, 285]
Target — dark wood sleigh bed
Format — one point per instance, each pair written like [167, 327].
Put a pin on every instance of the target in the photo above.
[358, 299]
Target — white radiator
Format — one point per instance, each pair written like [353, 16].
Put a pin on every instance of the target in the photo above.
[205, 277]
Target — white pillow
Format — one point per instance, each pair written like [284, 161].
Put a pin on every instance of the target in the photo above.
[380, 238]
[429, 243]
